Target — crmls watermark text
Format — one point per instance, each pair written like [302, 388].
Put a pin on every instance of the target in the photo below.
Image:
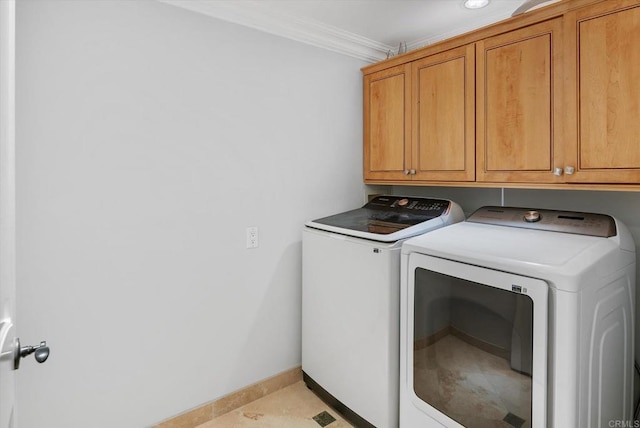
[624, 424]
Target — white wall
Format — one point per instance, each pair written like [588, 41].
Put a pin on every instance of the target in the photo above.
[149, 138]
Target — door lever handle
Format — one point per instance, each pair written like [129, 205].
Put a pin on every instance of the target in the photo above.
[41, 353]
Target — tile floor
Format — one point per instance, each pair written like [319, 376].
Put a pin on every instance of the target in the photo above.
[456, 377]
[292, 407]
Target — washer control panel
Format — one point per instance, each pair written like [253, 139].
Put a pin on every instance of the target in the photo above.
[589, 224]
[428, 206]
[384, 215]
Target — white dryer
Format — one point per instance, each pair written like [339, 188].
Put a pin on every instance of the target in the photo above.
[351, 302]
[520, 318]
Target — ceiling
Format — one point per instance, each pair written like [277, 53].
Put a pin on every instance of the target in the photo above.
[369, 30]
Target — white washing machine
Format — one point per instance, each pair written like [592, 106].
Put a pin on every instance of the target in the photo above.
[350, 302]
[520, 318]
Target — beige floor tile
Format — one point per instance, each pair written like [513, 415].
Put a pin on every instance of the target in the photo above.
[291, 407]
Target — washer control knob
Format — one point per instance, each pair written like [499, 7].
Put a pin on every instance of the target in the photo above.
[532, 216]
[403, 202]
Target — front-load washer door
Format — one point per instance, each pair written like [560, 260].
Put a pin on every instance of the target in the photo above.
[476, 344]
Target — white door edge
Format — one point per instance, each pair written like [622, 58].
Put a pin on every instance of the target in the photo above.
[7, 213]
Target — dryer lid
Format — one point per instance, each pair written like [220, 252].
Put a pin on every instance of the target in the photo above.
[566, 260]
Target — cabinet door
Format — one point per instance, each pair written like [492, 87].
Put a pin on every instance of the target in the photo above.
[443, 140]
[603, 93]
[518, 133]
[387, 124]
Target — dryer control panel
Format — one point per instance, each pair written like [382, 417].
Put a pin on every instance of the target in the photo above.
[579, 223]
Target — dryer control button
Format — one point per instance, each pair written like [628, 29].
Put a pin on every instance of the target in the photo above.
[532, 216]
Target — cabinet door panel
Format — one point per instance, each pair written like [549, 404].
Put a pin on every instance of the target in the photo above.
[517, 96]
[444, 140]
[517, 105]
[387, 124]
[606, 91]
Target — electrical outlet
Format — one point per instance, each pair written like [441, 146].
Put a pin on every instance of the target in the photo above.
[252, 237]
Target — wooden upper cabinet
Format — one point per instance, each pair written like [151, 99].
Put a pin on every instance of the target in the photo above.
[518, 105]
[548, 98]
[387, 123]
[603, 93]
[419, 119]
[443, 132]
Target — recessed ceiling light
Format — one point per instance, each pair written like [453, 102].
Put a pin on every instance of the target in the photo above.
[475, 4]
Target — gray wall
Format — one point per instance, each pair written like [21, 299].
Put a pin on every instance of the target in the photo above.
[148, 139]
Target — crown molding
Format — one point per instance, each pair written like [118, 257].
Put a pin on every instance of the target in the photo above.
[257, 15]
